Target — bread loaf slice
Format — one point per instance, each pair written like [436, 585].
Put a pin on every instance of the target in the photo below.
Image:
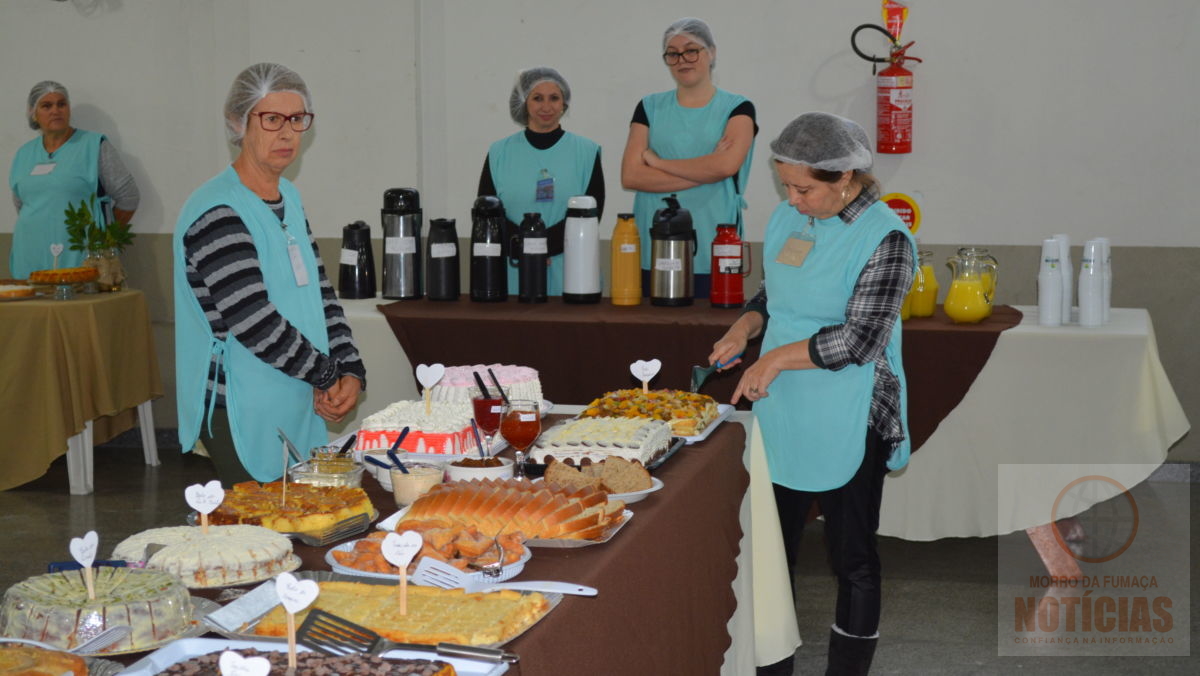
[562, 474]
[622, 476]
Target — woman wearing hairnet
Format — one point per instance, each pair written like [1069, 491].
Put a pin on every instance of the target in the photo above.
[829, 389]
[695, 141]
[60, 168]
[261, 343]
[541, 167]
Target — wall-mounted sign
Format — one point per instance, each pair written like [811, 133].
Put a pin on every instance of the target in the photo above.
[906, 208]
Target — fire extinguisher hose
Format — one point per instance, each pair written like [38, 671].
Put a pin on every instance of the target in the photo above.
[896, 55]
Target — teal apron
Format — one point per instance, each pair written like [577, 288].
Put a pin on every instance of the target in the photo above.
[814, 422]
[45, 195]
[678, 133]
[259, 398]
[529, 180]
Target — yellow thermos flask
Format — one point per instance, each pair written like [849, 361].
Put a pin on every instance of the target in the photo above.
[626, 262]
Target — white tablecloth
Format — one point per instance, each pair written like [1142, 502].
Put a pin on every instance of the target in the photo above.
[1047, 397]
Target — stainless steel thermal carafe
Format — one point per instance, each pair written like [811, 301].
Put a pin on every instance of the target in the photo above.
[401, 216]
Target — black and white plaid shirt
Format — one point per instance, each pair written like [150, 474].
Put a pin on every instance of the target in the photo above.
[871, 313]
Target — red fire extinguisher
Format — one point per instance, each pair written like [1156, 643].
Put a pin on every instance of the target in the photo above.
[893, 95]
[730, 264]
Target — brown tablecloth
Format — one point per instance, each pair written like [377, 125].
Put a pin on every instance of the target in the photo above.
[65, 363]
[582, 351]
[665, 579]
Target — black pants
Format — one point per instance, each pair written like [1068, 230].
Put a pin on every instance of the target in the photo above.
[851, 519]
[221, 449]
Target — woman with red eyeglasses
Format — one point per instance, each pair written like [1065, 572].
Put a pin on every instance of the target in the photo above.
[261, 342]
[695, 141]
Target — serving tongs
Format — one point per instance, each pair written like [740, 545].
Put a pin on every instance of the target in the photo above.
[333, 635]
[435, 573]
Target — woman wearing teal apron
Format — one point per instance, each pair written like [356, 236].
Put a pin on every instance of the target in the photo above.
[829, 390]
[261, 343]
[539, 168]
[695, 141]
[62, 167]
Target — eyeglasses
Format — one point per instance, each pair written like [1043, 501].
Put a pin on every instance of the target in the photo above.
[274, 121]
[691, 55]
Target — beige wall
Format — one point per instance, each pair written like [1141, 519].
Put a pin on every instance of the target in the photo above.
[1162, 279]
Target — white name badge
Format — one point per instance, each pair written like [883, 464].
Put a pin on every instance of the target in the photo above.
[400, 245]
[43, 169]
[298, 268]
[443, 250]
[668, 264]
[349, 257]
[488, 249]
[535, 245]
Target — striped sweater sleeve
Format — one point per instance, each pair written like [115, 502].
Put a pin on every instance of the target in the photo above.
[341, 340]
[223, 271]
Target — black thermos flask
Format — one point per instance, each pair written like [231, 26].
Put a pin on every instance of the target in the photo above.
[532, 255]
[489, 271]
[356, 273]
[441, 263]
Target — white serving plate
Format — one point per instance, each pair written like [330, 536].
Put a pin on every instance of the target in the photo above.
[507, 572]
[723, 413]
[185, 649]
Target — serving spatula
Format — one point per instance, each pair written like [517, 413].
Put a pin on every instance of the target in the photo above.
[701, 373]
[327, 633]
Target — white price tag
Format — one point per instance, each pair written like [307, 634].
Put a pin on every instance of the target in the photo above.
[730, 265]
[727, 250]
[56, 249]
[498, 409]
[204, 498]
[400, 245]
[629, 248]
[527, 417]
[349, 257]
[668, 264]
[400, 548]
[486, 249]
[295, 595]
[645, 371]
[83, 549]
[534, 245]
[233, 664]
[429, 374]
[445, 250]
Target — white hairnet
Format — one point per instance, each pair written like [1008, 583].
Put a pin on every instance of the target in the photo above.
[823, 141]
[525, 82]
[696, 28]
[251, 86]
[39, 90]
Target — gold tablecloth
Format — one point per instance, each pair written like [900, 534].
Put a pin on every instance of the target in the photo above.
[65, 363]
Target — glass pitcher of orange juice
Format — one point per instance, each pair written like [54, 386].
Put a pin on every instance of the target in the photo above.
[922, 297]
[973, 281]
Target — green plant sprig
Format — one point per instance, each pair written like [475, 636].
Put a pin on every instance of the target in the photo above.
[84, 233]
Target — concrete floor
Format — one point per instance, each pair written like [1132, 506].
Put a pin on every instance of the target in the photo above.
[943, 607]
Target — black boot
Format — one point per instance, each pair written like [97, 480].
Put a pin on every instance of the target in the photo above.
[849, 655]
[784, 667]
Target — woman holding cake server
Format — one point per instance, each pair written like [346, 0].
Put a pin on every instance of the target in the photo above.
[695, 141]
[261, 342]
[61, 167]
[538, 169]
[829, 388]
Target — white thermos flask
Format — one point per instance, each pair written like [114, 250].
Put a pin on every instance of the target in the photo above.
[1064, 259]
[1091, 284]
[581, 251]
[1050, 285]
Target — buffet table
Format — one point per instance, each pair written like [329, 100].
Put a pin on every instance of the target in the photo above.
[70, 367]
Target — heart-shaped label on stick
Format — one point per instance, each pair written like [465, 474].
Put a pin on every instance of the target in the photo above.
[429, 374]
[83, 549]
[56, 249]
[400, 548]
[295, 595]
[645, 371]
[233, 664]
[204, 498]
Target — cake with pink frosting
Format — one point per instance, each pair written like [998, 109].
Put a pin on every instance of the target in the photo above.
[442, 429]
[458, 385]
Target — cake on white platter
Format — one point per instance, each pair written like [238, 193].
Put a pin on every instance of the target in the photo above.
[55, 609]
[226, 555]
[446, 430]
[519, 382]
[589, 440]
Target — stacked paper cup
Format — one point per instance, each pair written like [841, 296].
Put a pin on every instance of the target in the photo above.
[1091, 284]
[1064, 258]
[1050, 285]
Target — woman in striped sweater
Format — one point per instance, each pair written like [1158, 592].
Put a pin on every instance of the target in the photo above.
[261, 341]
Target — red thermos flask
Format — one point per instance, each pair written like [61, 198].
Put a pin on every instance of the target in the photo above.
[730, 264]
